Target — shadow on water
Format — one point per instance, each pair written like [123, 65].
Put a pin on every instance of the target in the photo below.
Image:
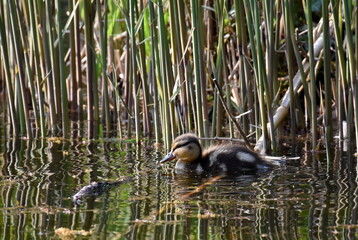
[314, 197]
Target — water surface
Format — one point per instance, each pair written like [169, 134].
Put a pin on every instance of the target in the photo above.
[311, 198]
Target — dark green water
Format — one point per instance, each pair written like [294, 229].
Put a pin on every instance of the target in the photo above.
[310, 198]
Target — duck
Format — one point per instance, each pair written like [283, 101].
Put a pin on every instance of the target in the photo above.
[191, 157]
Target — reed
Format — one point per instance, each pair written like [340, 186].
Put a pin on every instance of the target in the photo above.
[37, 68]
[218, 73]
[341, 66]
[154, 68]
[352, 79]
[308, 12]
[166, 79]
[6, 68]
[103, 19]
[61, 61]
[290, 65]
[51, 64]
[159, 68]
[134, 74]
[327, 75]
[19, 58]
[197, 59]
[242, 68]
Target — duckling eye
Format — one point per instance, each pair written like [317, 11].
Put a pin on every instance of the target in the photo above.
[190, 147]
[180, 146]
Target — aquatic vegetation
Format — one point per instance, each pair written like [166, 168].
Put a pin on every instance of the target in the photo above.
[254, 70]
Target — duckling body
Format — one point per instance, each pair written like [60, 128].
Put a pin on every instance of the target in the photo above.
[219, 158]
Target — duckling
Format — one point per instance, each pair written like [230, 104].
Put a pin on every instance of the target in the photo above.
[218, 158]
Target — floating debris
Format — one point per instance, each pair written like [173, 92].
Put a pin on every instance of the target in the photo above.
[95, 189]
[67, 234]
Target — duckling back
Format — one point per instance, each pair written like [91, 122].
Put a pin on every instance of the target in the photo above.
[232, 158]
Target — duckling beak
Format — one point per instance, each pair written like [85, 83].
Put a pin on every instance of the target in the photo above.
[170, 156]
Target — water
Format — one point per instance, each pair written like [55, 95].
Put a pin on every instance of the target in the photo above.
[310, 198]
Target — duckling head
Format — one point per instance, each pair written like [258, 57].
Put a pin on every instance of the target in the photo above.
[184, 148]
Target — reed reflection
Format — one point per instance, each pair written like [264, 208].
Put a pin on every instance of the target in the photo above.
[314, 197]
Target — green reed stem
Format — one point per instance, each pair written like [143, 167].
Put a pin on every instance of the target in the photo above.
[302, 73]
[90, 71]
[9, 84]
[327, 75]
[142, 29]
[135, 80]
[289, 57]
[19, 103]
[37, 63]
[63, 86]
[184, 66]
[47, 73]
[245, 86]
[351, 61]
[218, 109]
[28, 71]
[258, 63]
[74, 63]
[341, 66]
[308, 12]
[271, 60]
[154, 69]
[265, 96]
[19, 60]
[103, 42]
[169, 130]
[195, 14]
[177, 57]
[161, 73]
[54, 67]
